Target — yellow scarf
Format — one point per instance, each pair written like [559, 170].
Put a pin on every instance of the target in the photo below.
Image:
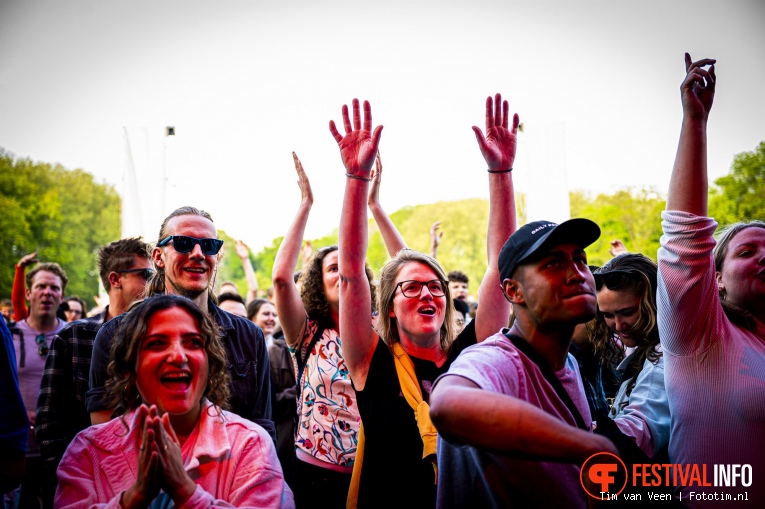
[410, 387]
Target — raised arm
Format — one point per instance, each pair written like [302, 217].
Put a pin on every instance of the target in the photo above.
[435, 238]
[688, 186]
[289, 305]
[357, 149]
[394, 242]
[243, 252]
[18, 293]
[498, 149]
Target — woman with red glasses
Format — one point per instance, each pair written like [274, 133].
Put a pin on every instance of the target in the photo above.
[393, 368]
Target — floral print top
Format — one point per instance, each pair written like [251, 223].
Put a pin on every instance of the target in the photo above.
[328, 420]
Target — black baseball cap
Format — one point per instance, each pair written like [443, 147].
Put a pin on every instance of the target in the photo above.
[539, 237]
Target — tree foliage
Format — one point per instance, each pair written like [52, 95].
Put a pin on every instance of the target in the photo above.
[740, 195]
[630, 215]
[64, 215]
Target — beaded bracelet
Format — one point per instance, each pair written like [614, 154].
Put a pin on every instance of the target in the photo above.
[358, 177]
[500, 171]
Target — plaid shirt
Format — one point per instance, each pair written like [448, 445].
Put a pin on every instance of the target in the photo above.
[61, 412]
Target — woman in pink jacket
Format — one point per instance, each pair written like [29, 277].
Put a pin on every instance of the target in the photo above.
[172, 442]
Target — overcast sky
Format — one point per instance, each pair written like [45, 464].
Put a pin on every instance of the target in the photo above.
[245, 83]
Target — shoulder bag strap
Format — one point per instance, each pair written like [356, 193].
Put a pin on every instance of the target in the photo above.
[549, 375]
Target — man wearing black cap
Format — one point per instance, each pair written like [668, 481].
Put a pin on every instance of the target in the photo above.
[511, 411]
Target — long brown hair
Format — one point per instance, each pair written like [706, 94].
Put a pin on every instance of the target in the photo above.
[640, 277]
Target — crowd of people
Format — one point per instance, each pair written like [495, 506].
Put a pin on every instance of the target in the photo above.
[352, 386]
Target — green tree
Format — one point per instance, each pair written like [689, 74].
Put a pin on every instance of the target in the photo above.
[630, 215]
[64, 215]
[740, 195]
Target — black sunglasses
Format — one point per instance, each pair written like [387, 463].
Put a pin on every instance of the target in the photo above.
[42, 345]
[184, 244]
[614, 280]
[145, 274]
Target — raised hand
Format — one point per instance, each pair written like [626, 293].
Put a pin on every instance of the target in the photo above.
[435, 238]
[359, 145]
[698, 88]
[617, 247]
[499, 146]
[27, 260]
[306, 194]
[242, 250]
[374, 190]
[306, 252]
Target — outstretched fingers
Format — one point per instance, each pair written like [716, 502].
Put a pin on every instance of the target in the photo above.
[516, 123]
[357, 115]
[498, 121]
[479, 137]
[346, 120]
[489, 113]
[333, 130]
[367, 115]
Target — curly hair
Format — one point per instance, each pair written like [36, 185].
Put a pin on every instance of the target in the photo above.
[386, 325]
[640, 277]
[121, 387]
[735, 314]
[312, 288]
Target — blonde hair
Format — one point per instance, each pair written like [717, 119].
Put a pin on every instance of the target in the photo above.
[386, 325]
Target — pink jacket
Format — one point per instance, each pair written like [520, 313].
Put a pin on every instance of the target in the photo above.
[232, 460]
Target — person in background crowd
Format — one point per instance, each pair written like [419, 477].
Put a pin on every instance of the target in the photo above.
[45, 287]
[233, 303]
[458, 284]
[74, 308]
[6, 309]
[124, 268]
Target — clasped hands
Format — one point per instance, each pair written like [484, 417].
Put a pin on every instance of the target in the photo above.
[160, 465]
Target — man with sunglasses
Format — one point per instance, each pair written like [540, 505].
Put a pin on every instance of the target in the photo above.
[124, 268]
[46, 284]
[186, 261]
[514, 405]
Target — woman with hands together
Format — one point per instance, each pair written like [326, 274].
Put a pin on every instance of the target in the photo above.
[173, 444]
[394, 366]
